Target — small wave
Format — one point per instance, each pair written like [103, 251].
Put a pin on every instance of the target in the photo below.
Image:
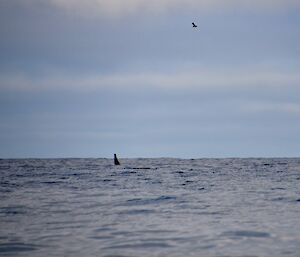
[179, 172]
[115, 255]
[103, 229]
[16, 247]
[246, 233]
[108, 237]
[140, 245]
[52, 182]
[158, 231]
[13, 210]
[128, 172]
[4, 167]
[281, 199]
[140, 201]
[142, 168]
[108, 180]
[136, 212]
[281, 163]
[278, 188]
[209, 213]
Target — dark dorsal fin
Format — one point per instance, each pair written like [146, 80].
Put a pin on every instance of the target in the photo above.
[116, 161]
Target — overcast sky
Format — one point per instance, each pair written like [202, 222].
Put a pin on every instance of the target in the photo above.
[133, 77]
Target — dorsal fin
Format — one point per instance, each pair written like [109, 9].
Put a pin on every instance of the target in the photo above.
[116, 161]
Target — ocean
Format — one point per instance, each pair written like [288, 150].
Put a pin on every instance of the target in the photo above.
[150, 207]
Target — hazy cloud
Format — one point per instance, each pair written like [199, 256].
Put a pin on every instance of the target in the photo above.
[121, 7]
[197, 79]
[117, 8]
[272, 107]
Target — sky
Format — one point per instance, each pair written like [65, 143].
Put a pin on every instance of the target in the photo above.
[133, 77]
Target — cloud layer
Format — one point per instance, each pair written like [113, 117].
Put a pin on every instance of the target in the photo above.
[120, 8]
[193, 80]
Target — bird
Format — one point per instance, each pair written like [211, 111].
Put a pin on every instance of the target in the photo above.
[194, 25]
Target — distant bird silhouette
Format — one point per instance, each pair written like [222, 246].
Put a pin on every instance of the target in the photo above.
[194, 25]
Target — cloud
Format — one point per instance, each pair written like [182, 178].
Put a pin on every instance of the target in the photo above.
[119, 8]
[270, 107]
[196, 79]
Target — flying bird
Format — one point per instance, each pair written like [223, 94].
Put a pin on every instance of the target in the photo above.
[194, 25]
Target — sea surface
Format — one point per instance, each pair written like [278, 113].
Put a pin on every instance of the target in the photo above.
[150, 207]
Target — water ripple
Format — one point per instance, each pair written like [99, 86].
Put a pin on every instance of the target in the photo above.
[200, 207]
[246, 233]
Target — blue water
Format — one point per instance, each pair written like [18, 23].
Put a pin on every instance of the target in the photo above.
[175, 207]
